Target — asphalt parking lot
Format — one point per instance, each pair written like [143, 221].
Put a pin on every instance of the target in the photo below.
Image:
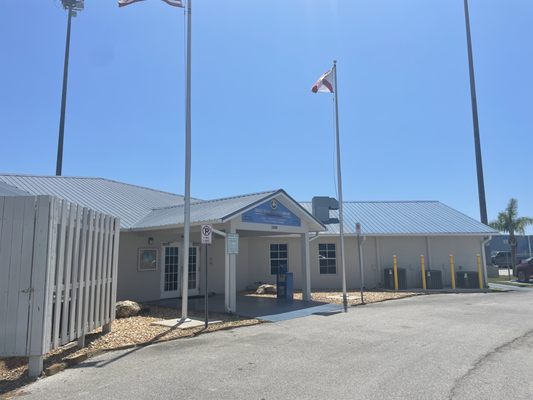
[449, 346]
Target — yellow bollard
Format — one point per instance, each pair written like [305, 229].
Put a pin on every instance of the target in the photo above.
[395, 268]
[452, 270]
[479, 271]
[423, 267]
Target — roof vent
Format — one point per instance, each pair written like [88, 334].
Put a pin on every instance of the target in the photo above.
[321, 207]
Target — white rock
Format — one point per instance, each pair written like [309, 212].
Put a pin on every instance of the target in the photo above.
[266, 289]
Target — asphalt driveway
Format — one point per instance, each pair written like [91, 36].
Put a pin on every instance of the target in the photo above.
[467, 346]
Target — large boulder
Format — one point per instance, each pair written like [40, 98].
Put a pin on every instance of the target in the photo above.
[266, 289]
[126, 309]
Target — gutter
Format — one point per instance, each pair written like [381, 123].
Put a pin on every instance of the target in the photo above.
[422, 234]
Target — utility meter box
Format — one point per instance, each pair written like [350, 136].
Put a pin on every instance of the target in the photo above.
[284, 284]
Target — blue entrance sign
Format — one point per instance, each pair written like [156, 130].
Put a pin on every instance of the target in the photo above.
[273, 213]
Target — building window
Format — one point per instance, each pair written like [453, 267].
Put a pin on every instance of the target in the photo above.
[147, 259]
[278, 257]
[327, 258]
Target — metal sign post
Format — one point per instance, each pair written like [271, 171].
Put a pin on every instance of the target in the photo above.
[207, 236]
[361, 269]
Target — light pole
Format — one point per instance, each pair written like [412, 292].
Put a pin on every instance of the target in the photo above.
[72, 7]
[477, 144]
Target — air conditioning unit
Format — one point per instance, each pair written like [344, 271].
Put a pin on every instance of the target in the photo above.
[467, 280]
[388, 278]
[433, 279]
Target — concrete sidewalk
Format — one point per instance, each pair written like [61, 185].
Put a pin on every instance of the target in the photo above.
[263, 308]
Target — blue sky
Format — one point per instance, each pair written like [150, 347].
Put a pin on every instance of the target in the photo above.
[405, 115]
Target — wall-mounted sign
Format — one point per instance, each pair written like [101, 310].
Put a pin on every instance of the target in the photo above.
[272, 213]
[232, 246]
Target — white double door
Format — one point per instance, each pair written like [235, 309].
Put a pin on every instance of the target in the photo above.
[172, 271]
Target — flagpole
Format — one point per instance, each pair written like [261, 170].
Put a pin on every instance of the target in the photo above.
[187, 199]
[339, 185]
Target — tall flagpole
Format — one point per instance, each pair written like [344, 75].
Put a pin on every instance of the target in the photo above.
[187, 199]
[339, 184]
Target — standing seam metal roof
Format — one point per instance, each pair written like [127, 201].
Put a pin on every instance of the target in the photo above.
[128, 202]
[202, 211]
[8, 190]
[139, 207]
[405, 218]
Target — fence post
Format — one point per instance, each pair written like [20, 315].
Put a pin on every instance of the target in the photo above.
[35, 366]
[106, 328]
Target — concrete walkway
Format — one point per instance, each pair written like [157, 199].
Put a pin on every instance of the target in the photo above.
[450, 346]
[264, 308]
[502, 286]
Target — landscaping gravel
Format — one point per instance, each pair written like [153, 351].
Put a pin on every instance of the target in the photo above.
[126, 332]
[354, 297]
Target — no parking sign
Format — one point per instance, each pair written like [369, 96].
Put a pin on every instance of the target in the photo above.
[207, 234]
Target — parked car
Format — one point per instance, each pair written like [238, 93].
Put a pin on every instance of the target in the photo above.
[502, 259]
[524, 270]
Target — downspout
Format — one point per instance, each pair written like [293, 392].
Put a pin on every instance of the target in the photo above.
[378, 261]
[220, 233]
[314, 237]
[361, 240]
[428, 252]
[484, 258]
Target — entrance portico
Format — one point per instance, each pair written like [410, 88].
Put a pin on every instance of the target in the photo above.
[274, 216]
[261, 221]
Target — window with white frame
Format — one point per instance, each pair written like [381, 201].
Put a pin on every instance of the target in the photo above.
[279, 256]
[327, 258]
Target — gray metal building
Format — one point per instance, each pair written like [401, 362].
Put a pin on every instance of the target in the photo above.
[273, 230]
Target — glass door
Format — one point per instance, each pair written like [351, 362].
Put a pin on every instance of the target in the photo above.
[170, 278]
[194, 273]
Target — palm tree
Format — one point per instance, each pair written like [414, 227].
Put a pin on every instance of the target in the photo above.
[509, 221]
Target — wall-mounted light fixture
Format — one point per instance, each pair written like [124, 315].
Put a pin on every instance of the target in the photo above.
[150, 241]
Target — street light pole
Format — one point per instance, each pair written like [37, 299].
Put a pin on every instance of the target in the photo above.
[479, 162]
[72, 6]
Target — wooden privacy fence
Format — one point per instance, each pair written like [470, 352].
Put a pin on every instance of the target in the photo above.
[58, 274]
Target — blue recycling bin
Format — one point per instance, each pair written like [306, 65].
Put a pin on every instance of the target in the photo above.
[284, 284]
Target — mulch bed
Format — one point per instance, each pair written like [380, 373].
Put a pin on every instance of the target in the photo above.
[126, 333]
